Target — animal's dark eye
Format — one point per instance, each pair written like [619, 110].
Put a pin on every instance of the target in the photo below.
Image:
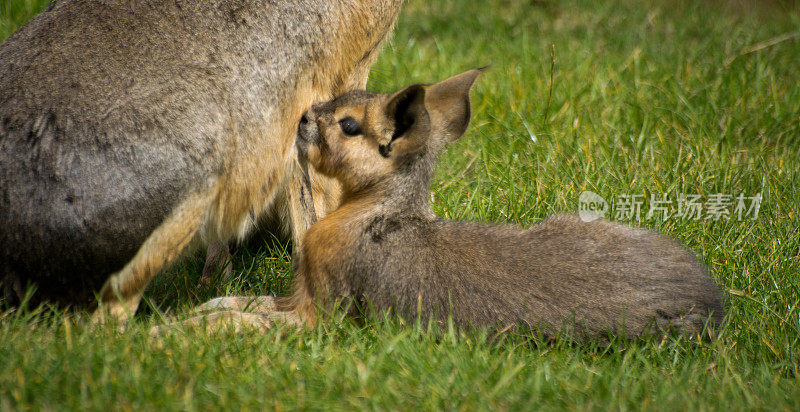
[350, 127]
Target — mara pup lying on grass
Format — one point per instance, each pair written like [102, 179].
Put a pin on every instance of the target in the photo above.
[384, 248]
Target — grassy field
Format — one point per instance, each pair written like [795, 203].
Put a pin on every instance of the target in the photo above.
[616, 97]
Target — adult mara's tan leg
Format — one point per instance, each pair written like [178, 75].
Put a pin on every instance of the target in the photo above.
[120, 295]
[295, 205]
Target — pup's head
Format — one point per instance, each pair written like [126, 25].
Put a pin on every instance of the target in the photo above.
[360, 138]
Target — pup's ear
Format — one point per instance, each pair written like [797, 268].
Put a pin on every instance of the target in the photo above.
[406, 110]
[417, 112]
[448, 105]
[408, 121]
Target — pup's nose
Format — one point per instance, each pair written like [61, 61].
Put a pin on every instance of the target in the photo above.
[307, 128]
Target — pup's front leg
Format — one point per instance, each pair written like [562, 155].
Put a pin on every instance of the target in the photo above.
[233, 313]
[255, 304]
[218, 262]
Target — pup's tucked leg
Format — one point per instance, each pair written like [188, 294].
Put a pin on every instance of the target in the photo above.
[216, 321]
[232, 313]
[255, 304]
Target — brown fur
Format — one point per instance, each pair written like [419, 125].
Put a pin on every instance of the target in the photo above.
[384, 248]
[130, 131]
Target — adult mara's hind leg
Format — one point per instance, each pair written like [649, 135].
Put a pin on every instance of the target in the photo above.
[121, 293]
[301, 209]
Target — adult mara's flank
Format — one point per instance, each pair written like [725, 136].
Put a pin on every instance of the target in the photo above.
[131, 131]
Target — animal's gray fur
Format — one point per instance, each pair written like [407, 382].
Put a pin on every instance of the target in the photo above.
[113, 111]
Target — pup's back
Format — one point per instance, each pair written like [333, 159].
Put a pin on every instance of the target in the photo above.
[594, 276]
[386, 248]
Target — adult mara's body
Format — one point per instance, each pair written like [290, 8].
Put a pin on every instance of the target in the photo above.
[131, 130]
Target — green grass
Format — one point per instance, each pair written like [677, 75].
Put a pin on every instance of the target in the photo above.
[647, 97]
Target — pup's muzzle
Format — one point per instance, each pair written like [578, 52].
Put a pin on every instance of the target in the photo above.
[307, 128]
[306, 132]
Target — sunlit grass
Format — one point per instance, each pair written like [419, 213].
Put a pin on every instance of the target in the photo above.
[659, 97]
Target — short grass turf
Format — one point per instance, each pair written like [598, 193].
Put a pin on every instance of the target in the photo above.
[615, 97]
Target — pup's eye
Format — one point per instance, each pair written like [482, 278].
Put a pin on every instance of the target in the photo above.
[350, 127]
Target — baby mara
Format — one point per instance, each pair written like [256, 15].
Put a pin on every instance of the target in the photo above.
[384, 248]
